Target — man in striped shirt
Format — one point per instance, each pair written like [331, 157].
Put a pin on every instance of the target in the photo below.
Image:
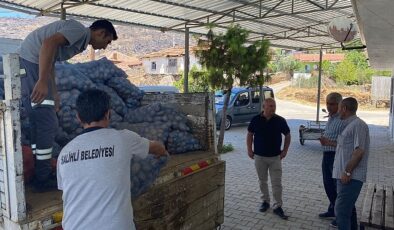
[350, 165]
[333, 128]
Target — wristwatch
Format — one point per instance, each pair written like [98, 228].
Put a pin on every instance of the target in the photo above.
[348, 173]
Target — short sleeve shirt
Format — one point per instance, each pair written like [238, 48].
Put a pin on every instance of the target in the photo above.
[333, 128]
[94, 173]
[77, 35]
[267, 134]
[355, 135]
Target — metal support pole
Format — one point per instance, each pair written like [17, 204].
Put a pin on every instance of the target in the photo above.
[62, 12]
[319, 84]
[186, 62]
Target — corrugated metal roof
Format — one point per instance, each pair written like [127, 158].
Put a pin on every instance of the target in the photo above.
[287, 23]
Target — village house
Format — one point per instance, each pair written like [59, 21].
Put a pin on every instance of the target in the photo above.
[168, 61]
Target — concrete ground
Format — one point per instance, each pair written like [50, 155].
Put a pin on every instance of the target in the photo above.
[303, 193]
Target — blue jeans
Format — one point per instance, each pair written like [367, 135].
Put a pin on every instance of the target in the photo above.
[330, 184]
[345, 210]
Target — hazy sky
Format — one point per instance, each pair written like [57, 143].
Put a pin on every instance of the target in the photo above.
[5, 13]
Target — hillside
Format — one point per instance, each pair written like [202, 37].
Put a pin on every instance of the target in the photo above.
[132, 40]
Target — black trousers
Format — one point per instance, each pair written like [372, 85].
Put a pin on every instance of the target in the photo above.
[330, 184]
[42, 120]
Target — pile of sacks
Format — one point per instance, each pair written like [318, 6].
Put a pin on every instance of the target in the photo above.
[154, 121]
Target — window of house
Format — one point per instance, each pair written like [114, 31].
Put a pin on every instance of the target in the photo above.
[172, 62]
[153, 65]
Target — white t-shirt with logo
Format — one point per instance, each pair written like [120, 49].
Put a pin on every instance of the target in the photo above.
[93, 170]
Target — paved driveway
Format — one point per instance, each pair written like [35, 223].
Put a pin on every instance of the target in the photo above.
[303, 193]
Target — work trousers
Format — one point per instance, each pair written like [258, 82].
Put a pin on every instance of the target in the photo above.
[330, 184]
[42, 120]
[273, 167]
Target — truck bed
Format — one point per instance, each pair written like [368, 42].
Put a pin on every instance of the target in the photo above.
[41, 206]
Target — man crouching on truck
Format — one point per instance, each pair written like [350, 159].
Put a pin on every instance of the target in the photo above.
[94, 168]
[57, 41]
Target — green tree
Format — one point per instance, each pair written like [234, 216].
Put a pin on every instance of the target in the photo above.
[284, 63]
[353, 69]
[228, 58]
[328, 68]
[198, 80]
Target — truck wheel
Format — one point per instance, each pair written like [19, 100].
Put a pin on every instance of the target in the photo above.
[228, 123]
[302, 140]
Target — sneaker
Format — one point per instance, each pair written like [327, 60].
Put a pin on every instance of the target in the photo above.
[326, 215]
[44, 186]
[279, 212]
[334, 224]
[264, 206]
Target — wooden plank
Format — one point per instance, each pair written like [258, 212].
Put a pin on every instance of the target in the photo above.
[10, 125]
[165, 200]
[389, 209]
[194, 216]
[378, 207]
[177, 162]
[367, 206]
[42, 205]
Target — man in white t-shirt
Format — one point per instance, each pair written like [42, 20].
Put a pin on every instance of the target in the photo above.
[94, 168]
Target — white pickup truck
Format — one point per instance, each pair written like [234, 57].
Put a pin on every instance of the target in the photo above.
[189, 193]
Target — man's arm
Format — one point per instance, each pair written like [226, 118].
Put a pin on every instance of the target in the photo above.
[249, 142]
[327, 142]
[157, 148]
[46, 59]
[357, 155]
[286, 146]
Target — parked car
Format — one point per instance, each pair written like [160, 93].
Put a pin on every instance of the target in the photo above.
[244, 104]
[159, 89]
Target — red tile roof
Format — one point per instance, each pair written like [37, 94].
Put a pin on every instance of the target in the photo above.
[170, 52]
[316, 57]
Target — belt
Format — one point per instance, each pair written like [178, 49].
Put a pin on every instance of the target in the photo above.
[44, 102]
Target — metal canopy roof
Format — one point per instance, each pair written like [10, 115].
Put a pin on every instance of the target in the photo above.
[286, 23]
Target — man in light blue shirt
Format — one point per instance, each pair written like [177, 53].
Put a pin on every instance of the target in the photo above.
[350, 165]
[57, 41]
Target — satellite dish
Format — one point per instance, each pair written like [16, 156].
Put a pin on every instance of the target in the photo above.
[342, 29]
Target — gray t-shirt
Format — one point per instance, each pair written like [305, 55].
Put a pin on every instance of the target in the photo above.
[77, 35]
[93, 171]
[355, 135]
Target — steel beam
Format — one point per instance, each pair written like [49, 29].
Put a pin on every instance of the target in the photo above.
[273, 8]
[316, 4]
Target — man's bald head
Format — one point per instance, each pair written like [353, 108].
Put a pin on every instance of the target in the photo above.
[269, 107]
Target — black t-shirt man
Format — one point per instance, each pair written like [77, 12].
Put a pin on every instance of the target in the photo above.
[267, 139]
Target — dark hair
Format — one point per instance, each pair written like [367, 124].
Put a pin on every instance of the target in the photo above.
[92, 105]
[351, 104]
[104, 24]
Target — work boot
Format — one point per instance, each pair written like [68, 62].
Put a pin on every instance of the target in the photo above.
[334, 224]
[326, 215]
[279, 212]
[264, 206]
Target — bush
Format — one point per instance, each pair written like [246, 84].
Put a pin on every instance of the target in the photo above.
[226, 148]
